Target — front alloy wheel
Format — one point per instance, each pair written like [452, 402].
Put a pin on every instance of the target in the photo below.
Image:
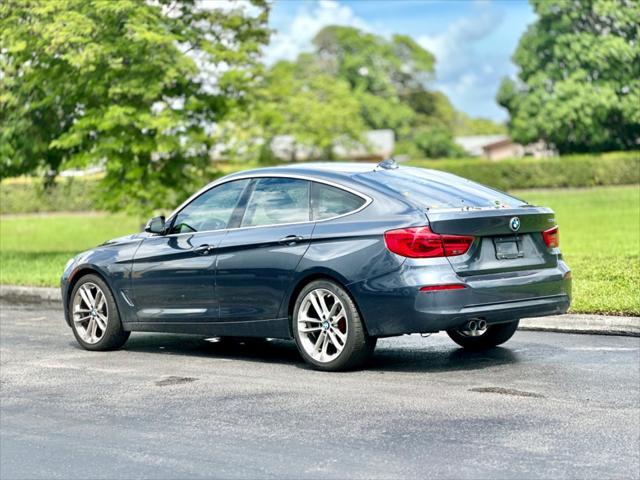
[328, 329]
[94, 315]
[90, 313]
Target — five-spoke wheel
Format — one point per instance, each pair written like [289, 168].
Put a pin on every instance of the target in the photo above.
[94, 315]
[90, 312]
[322, 325]
[328, 329]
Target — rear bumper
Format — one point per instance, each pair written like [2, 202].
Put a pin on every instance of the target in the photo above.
[394, 305]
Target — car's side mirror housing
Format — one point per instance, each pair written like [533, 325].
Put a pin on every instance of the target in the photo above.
[156, 225]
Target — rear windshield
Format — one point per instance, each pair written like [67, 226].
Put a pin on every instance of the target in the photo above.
[432, 189]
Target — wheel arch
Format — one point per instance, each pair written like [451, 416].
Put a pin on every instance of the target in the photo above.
[311, 277]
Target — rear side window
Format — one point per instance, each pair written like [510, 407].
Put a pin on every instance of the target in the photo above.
[433, 189]
[276, 201]
[331, 201]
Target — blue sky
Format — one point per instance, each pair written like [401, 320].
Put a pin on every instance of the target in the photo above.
[473, 40]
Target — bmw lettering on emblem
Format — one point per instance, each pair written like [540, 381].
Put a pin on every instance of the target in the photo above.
[514, 224]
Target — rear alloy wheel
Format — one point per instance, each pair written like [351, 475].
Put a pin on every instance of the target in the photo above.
[489, 337]
[328, 329]
[94, 315]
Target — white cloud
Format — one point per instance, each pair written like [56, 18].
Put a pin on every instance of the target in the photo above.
[454, 48]
[288, 42]
[466, 76]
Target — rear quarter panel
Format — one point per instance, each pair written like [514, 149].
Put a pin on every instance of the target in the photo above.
[351, 249]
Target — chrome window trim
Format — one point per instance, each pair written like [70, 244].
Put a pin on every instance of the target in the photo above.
[367, 201]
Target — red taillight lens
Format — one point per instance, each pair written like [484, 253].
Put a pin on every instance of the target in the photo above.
[552, 237]
[421, 242]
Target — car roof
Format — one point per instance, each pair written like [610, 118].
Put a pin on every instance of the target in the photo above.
[315, 169]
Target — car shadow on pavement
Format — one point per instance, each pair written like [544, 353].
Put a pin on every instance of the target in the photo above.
[439, 360]
[282, 351]
[259, 350]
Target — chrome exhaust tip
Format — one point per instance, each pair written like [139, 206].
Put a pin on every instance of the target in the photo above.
[472, 326]
[482, 324]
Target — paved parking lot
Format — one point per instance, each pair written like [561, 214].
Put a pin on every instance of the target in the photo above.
[545, 405]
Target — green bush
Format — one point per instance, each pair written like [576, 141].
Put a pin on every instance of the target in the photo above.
[615, 168]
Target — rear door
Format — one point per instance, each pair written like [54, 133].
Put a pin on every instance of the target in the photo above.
[257, 259]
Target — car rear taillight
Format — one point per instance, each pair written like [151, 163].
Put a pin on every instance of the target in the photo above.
[552, 237]
[421, 242]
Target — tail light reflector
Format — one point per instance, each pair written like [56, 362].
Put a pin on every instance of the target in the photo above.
[552, 237]
[421, 242]
[438, 288]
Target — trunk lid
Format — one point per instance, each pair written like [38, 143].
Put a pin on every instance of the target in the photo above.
[506, 239]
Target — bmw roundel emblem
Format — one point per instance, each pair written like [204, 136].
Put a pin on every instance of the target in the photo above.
[514, 224]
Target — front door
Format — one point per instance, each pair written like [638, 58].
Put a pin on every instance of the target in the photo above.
[256, 261]
[173, 275]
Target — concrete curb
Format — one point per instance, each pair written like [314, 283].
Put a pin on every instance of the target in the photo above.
[569, 323]
[582, 323]
[19, 294]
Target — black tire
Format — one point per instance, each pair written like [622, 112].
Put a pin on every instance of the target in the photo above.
[358, 346]
[114, 335]
[494, 336]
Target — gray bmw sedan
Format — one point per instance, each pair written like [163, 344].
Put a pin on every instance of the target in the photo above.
[333, 255]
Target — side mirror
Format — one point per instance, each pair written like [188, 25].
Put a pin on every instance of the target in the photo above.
[155, 225]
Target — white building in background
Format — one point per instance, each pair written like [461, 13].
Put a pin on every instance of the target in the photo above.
[498, 147]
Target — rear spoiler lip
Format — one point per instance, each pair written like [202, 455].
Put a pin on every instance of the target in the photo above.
[521, 210]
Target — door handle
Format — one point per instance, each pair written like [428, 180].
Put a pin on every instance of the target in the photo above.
[203, 249]
[291, 239]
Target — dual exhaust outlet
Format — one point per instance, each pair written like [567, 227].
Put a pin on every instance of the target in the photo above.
[475, 325]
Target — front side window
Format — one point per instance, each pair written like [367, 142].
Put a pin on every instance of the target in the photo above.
[332, 202]
[276, 201]
[210, 211]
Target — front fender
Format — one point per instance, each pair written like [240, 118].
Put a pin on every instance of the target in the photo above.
[113, 263]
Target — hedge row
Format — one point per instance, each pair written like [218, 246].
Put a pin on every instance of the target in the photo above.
[615, 168]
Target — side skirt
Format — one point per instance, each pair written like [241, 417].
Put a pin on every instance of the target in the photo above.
[277, 328]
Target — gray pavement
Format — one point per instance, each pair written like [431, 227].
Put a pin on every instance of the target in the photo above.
[546, 405]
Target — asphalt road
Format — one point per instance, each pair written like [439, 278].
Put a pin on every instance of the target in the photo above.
[547, 405]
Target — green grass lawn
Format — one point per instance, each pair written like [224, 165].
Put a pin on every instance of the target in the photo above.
[35, 248]
[599, 230]
[600, 240]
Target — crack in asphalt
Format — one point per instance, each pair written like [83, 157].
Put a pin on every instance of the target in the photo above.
[506, 391]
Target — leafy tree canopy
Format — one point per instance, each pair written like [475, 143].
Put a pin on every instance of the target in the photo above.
[134, 85]
[296, 99]
[578, 85]
[354, 80]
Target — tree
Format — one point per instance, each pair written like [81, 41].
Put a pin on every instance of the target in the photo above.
[466, 125]
[391, 78]
[299, 100]
[578, 84]
[132, 85]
